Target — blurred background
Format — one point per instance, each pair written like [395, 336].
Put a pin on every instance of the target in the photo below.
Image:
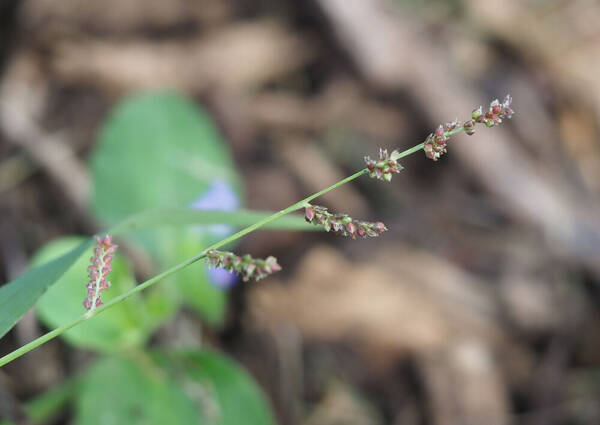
[481, 305]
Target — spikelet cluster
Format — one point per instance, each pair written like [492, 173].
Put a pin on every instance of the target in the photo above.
[436, 143]
[246, 266]
[98, 271]
[496, 112]
[385, 166]
[342, 224]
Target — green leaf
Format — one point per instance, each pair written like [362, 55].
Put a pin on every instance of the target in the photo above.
[161, 150]
[156, 150]
[236, 398]
[20, 295]
[124, 325]
[133, 391]
[170, 388]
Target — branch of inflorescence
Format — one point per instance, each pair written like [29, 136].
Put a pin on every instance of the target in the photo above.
[434, 146]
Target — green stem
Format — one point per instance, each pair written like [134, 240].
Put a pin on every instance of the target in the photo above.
[411, 150]
[298, 205]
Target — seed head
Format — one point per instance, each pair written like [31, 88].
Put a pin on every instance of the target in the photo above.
[246, 266]
[385, 166]
[342, 224]
[98, 271]
[436, 143]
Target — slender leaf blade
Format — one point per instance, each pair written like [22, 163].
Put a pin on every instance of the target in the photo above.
[20, 295]
[189, 216]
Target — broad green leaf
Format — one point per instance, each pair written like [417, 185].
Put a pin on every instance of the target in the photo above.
[170, 388]
[156, 150]
[161, 150]
[123, 325]
[19, 295]
[133, 391]
[234, 396]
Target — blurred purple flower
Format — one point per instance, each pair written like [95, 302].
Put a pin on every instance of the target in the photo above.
[222, 278]
[219, 196]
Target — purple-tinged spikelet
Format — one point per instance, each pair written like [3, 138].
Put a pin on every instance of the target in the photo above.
[98, 271]
[495, 113]
[435, 144]
[385, 166]
[342, 224]
[246, 266]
